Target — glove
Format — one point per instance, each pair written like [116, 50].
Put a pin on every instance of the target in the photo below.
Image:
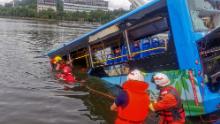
[151, 107]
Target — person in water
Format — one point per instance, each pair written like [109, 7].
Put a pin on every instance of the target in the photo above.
[63, 69]
[132, 102]
[54, 61]
[168, 105]
[58, 63]
[67, 75]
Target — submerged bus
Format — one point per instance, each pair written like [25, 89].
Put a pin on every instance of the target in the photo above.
[178, 37]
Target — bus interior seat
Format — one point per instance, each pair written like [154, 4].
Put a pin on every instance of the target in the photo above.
[109, 59]
[124, 53]
[135, 47]
[145, 45]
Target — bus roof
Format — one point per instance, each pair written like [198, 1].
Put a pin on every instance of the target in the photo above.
[133, 15]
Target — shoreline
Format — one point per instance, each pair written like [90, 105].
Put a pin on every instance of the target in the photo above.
[62, 23]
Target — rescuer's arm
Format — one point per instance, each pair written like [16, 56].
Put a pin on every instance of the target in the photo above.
[121, 100]
[167, 101]
[57, 67]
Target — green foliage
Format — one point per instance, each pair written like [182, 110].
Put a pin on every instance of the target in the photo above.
[47, 14]
[28, 8]
[185, 85]
[18, 11]
[192, 109]
[178, 87]
[93, 16]
[24, 8]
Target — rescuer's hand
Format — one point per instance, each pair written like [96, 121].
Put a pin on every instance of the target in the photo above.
[151, 107]
[113, 107]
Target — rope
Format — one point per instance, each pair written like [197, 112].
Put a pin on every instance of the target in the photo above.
[112, 97]
[100, 93]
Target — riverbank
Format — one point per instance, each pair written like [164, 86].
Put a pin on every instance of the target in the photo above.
[62, 23]
[73, 24]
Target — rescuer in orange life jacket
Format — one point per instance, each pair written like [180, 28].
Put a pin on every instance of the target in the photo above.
[169, 105]
[132, 102]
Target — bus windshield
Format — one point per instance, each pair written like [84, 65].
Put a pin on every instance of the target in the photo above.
[205, 14]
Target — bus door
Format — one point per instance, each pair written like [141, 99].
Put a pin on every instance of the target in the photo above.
[209, 50]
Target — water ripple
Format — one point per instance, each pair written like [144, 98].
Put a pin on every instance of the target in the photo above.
[28, 92]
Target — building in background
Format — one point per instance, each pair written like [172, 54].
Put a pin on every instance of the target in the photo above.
[136, 3]
[85, 5]
[46, 4]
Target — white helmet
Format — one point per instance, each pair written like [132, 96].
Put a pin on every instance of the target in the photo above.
[161, 79]
[135, 75]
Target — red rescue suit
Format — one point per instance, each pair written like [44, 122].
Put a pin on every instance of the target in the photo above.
[67, 78]
[169, 106]
[60, 66]
[138, 100]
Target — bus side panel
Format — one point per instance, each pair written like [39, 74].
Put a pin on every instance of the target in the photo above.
[186, 49]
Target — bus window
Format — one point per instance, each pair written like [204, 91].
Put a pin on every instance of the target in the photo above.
[205, 14]
[210, 57]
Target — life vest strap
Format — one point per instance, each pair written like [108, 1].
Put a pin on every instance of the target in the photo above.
[131, 121]
[169, 113]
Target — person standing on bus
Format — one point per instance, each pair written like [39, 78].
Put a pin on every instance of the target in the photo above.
[169, 105]
[132, 102]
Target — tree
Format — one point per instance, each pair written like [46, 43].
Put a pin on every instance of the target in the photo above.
[28, 8]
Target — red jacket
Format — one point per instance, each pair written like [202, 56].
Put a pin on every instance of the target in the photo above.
[169, 106]
[137, 109]
[60, 66]
[69, 78]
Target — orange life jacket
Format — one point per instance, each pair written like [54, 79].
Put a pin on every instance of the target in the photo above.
[138, 101]
[175, 113]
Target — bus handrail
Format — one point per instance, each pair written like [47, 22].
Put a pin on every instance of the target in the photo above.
[114, 58]
[134, 53]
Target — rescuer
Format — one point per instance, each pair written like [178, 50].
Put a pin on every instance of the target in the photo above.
[169, 105]
[66, 75]
[132, 102]
[54, 61]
